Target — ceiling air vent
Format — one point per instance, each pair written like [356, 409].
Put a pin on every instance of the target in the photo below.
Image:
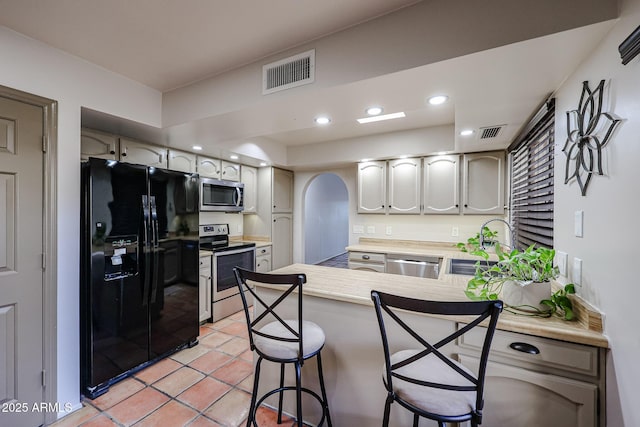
[290, 72]
[490, 132]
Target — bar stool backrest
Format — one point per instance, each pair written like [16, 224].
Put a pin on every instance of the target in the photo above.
[478, 311]
[290, 283]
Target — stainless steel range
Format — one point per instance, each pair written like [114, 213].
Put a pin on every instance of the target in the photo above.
[226, 255]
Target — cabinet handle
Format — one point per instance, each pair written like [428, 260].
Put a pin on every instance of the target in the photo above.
[524, 347]
[365, 257]
[112, 152]
[466, 205]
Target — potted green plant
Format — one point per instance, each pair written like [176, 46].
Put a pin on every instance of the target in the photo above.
[522, 279]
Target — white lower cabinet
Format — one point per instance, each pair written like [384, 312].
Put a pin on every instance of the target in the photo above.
[263, 259]
[204, 284]
[282, 240]
[367, 261]
[538, 382]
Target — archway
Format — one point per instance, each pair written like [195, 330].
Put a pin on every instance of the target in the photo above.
[326, 218]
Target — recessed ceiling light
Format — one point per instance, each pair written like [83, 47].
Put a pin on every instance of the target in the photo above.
[322, 120]
[233, 157]
[438, 99]
[373, 111]
[383, 117]
[466, 132]
[197, 147]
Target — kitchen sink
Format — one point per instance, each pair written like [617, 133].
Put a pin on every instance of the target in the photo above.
[466, 267]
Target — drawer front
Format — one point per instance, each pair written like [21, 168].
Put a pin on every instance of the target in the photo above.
[263, 251]
[366, 257]
[544, 352]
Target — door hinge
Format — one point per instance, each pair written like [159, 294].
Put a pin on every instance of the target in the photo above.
[44, 261]
[45, 143]
[44, 378]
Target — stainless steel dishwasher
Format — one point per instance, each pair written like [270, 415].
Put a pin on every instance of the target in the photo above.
[411, 265]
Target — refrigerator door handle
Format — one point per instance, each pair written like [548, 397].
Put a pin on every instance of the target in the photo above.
[155, 248]
[145, 249]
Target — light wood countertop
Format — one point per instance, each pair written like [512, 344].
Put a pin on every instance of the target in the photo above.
[355, 286]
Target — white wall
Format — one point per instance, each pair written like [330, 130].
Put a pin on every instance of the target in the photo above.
[33, 67]
[610, 208]
[326, 213]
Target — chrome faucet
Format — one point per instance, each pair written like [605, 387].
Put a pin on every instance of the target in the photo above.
[511, 231]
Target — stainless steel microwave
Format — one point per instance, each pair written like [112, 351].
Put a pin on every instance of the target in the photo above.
[221, 196]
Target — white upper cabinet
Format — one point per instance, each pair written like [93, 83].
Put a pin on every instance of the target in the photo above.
[441, 185]
[143, 154]
[483, 183]
[97, 144]
[404, 186]
[282, 191]
[210, 168]
[182, 161]
[249, 177]
[372, 187]
[230, 171]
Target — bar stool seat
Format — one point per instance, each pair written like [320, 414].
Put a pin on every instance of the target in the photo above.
[283, 341]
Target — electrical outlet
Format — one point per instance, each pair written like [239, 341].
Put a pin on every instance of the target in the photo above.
[371, 229]
[576, 277]
[358, 229]
[455, 232]
[388, 230]
[562, 258]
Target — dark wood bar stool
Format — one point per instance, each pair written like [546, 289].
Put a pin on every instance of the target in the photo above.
[283, 341]
[422, 379]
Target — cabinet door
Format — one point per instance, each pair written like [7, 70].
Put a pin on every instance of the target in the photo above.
[404, 186]
[182, 161]
[143, 154]
[97, 144]
[230, 171]
[249, 177]
[204, 292]
[282, 240]
[441, 187]
[263, 264]
[516, 396]
[372, 187]
[282, 190]
[483, 183]
[210, 168]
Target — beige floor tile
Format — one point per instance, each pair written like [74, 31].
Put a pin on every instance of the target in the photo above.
[247, 355]
[138, 406]
[203, 421]
[210, 361]
[117, 393]
[237, 329]
[216, 339]
[235, 346]
[203, 394]
[246, 384]
[158, 370]
[100, 421]
[178, 381]
[78, 417]
[221, 323]
[188, 354]
[231, 409]
[173, 414]
[205, 330]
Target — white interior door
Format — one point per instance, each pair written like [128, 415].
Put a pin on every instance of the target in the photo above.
[21, 254]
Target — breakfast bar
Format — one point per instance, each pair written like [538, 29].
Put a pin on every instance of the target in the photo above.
[570, 360]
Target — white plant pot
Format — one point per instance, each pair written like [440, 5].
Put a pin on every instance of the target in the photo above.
[524, 296]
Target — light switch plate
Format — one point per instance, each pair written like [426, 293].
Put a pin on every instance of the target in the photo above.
[562, 258]
[389, 230]
[358, 229]
[577, 271]
[455, 232]
[578, 223]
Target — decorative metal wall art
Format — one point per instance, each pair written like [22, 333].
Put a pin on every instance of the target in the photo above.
[587, 134]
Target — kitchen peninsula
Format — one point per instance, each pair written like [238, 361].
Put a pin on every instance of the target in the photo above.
[567, 374]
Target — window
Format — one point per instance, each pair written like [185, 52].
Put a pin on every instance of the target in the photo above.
[531, 180]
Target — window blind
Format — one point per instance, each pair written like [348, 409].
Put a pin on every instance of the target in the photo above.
[531, 178]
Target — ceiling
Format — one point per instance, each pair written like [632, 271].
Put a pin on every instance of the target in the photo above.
[173, 43]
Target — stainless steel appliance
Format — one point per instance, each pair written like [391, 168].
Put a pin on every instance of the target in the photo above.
[131, 316]
[221, 196]
[418, 266]
[227, 254]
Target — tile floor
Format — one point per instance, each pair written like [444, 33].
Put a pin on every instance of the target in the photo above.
[208, 385]
[338, 261]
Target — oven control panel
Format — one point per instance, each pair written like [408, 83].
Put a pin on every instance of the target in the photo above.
[214, 229]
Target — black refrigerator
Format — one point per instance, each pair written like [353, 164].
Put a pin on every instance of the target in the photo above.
[132, 314]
